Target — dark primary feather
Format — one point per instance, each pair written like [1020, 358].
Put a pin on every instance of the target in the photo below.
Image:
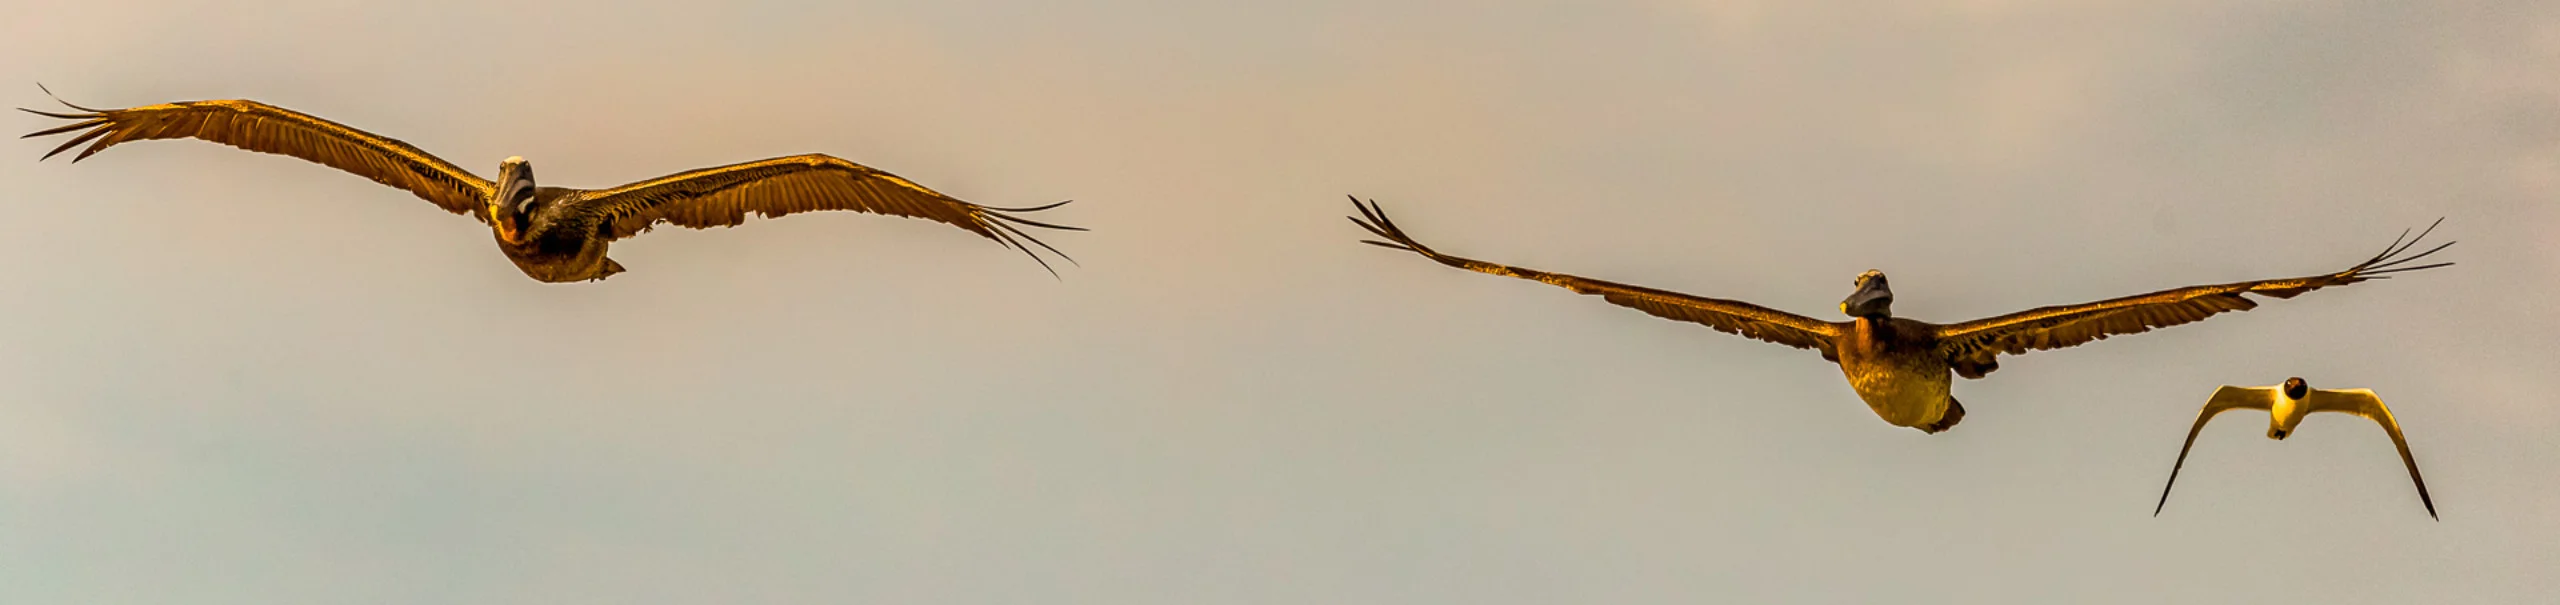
[723, 196]
[266, 128]
[1981, 341]
[1731, 317]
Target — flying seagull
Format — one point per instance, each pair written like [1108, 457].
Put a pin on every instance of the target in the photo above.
[554, 234]
[2285, 406]
[1900, 366]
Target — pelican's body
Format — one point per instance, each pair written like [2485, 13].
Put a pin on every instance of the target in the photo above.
[1896, 374]
[1903, 368]
[2286, 405]
[553, 234]
[557, 247]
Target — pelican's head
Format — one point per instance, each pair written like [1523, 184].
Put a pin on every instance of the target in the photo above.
[515, 197]
[1872, 300]
[2288, 412]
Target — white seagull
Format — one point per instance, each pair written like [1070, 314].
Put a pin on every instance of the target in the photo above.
[2285, 406]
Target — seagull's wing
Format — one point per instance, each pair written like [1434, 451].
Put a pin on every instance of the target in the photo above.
[2224, 399]
[725, 195]
[2362, 402]
[1981, 342]
[267, 128]
[1728, 316]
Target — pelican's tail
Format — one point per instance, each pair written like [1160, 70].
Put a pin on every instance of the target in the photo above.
[1955, 414]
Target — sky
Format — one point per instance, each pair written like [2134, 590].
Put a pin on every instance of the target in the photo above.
[229, 377]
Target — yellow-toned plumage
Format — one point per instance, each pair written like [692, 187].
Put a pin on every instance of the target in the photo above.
[554, 234]
[1900, 367]
[2286, 404]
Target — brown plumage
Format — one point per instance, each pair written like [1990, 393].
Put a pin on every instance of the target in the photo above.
[1900, 366]
[553, 234]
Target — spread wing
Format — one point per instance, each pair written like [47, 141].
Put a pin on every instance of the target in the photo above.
[1731, 317]
[266, 128]
[1980, 342]
[2362, 402]
[725, 195]
[2224, 399]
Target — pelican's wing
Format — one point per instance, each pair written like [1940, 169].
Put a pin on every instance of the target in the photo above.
[2224, 399]
[724, 196]
[2363, 402]
[1728, 316]
[267, 128]
[1979, 342]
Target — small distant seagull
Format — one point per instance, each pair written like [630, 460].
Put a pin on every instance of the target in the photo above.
[2285, 406]
[1899, 365]
[554, 234]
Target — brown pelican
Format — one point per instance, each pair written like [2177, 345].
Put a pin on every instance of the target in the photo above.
[554, 234]
[2285, 406]
[1899, 365]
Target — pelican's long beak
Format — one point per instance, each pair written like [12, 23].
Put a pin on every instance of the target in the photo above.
[514, 176]
[506, 225]
[1873, 299]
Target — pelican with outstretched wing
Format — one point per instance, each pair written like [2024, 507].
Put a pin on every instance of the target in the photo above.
[2285, 406]
[554, 234]
[1900, 366]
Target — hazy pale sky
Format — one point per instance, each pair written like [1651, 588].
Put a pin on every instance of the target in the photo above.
[229, 377]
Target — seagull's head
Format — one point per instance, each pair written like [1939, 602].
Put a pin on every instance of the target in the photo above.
[1873, 299]
[508, 208]
[2288, 413]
